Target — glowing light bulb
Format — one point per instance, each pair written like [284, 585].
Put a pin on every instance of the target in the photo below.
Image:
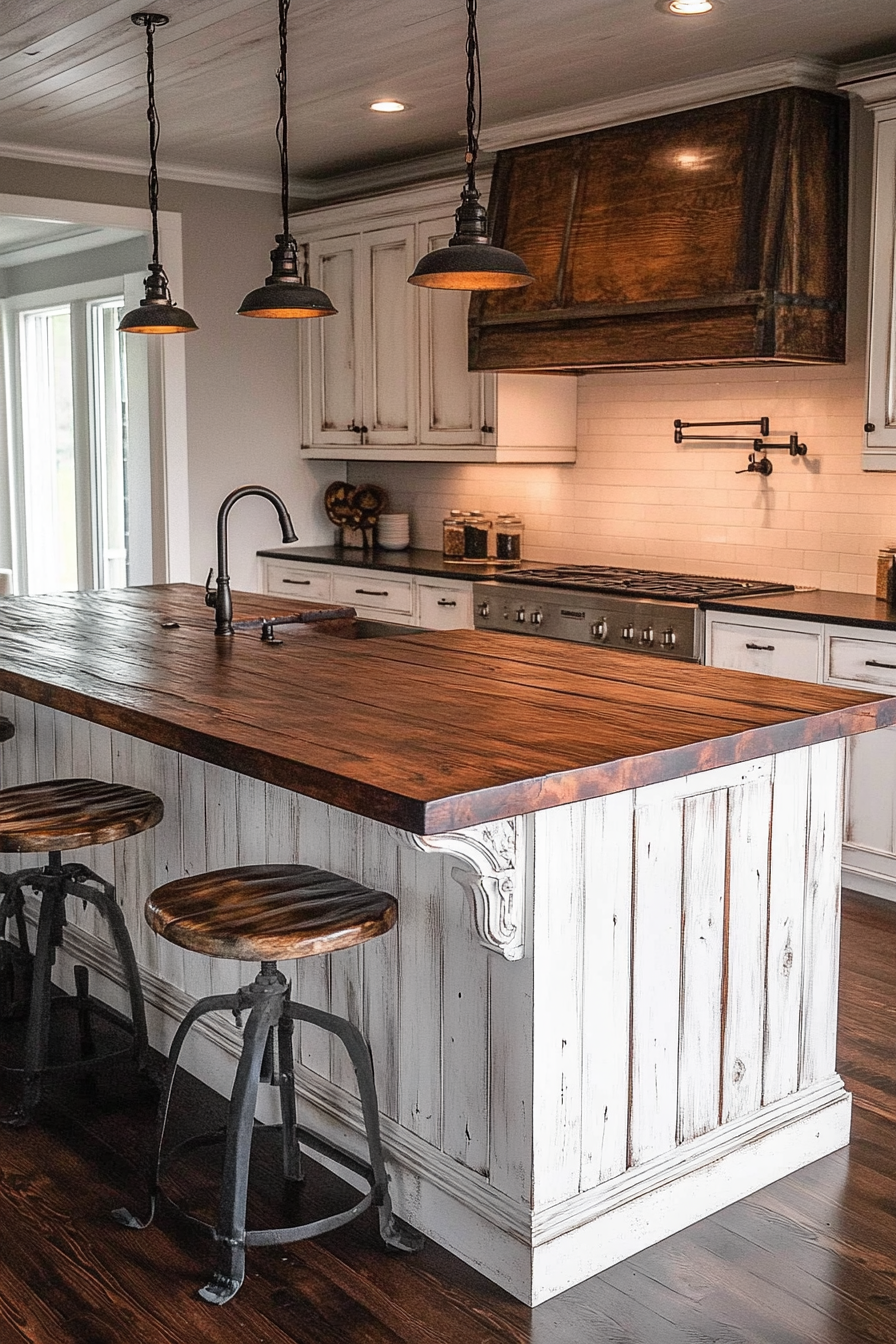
[387, 105]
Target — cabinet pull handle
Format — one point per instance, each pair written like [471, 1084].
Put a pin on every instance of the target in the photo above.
[766, 648]
[300, 583]
[872, 662]
[373, 592]
[447, 602]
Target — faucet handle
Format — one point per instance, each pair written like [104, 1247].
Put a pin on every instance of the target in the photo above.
[210, 594]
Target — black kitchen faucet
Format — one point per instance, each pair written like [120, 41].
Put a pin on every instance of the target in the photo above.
[219, 597]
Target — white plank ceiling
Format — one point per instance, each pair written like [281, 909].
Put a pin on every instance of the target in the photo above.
[72, 71]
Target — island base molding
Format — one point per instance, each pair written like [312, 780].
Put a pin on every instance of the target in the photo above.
[593, 1024]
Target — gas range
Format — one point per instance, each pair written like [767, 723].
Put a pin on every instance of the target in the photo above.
[648, 610]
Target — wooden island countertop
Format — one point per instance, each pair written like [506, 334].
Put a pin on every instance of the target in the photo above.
[428, 732]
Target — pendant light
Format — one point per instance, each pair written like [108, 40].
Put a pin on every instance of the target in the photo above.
[284, 294]
[157, 314]
[469, 261]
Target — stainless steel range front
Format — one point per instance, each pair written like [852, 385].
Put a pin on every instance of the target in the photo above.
[648, 610]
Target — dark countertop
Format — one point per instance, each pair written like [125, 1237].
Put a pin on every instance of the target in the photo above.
[413, 561]
[429, 731]
[819, 604]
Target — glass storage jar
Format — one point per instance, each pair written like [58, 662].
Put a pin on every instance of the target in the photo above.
[453, 535]
[477, 535]
[508, 539]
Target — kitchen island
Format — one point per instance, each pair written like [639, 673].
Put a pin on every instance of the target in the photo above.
[609, 1007]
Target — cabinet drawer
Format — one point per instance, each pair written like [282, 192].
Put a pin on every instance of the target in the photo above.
[869, 661]
[443, 608]
[374, 591]
[296, 581]
[777, 653]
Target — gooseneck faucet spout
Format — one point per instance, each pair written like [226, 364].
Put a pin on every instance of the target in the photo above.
[220, 597]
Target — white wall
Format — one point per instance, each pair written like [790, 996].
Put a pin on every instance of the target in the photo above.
[633, 498]
[242, 374]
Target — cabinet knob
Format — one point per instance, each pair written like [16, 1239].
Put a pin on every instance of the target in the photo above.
[487, 429]
[869, 428]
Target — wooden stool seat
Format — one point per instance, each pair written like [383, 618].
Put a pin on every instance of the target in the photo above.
[268, 912]
[7, 729]
[67, 814]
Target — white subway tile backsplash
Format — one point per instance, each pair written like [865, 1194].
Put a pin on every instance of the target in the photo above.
[634, 497]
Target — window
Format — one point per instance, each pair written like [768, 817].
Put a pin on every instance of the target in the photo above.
[79, 484]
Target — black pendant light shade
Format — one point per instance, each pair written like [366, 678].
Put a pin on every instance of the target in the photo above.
[469, 261]
[157, 314]
[284, 294]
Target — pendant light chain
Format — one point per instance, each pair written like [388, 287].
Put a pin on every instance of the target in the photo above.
[156, 314]
[152, 117]
[283, 120]
[474, 95]
[285, 293]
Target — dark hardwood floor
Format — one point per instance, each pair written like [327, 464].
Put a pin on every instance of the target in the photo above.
[809, 1260]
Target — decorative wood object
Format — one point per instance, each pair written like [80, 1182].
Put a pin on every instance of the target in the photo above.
[714, 235]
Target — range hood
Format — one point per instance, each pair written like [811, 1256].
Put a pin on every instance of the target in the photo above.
[715, 235]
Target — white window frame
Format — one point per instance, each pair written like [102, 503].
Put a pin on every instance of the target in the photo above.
[167, 416]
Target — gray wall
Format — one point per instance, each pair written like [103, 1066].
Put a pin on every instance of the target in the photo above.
[242, 374]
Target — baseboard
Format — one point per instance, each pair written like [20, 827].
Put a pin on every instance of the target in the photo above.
[869, 871]
[533, 1255]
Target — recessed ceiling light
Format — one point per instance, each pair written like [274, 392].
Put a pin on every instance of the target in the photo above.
[388, 105]
[688, 6]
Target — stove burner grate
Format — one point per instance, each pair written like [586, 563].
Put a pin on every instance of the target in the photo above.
[642, 582]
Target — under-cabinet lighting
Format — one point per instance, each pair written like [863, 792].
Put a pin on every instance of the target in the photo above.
[689, 6]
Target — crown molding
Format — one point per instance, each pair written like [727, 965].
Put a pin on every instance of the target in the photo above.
[873, 81]
[110, 163]
[368, 181]
[806, 71]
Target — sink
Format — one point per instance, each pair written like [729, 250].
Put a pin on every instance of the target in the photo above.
[362, 628]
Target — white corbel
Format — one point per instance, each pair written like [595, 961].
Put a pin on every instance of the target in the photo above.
[493, 879]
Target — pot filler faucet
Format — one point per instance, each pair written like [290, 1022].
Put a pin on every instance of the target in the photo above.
[220, 598]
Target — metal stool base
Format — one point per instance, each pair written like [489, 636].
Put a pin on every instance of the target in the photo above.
[55, 884]
[271, 1010]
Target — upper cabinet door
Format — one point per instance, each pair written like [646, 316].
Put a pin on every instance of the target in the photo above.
[333, 382]
[389, 337]
[451, 398]
[881, 432]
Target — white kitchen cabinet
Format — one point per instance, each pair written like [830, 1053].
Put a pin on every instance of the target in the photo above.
[371, 592]
[303, 582]
[413, 599]
[751, 644]
[444, 606]
[879, 95]
[386, 378]
[838, 656]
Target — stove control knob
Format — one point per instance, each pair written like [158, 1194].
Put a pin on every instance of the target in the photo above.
[647, 635]
[628, 632]
[483, 609]
[535, 618]
[521, 614]
[669, 638]
[599, 629]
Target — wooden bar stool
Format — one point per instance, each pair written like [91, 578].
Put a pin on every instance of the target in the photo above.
[268, 913]
[50, 818]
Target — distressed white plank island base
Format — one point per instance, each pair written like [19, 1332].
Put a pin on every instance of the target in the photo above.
[627, 1022]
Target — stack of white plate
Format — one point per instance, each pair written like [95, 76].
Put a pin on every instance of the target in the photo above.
[393, 531]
